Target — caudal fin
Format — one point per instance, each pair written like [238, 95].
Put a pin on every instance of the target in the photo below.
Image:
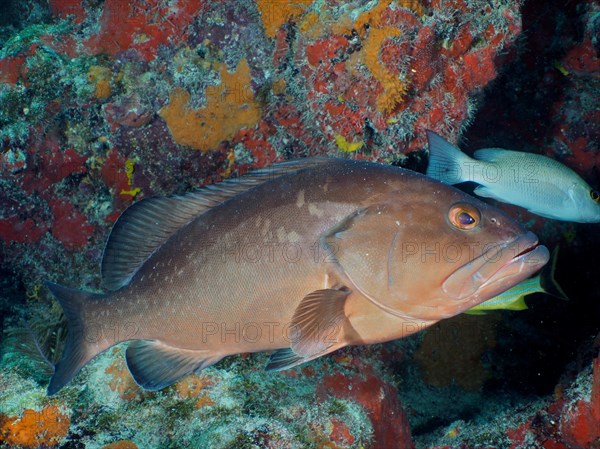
[79, 347]
[547, 280]
[446, 162]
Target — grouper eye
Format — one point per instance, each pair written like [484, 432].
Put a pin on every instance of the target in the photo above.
[595, 195]
[464, 216]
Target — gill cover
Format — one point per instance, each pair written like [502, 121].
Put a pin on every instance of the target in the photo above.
[367, 246]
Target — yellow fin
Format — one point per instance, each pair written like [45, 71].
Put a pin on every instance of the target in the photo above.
[517, 304]
[476, 311]
[345, 146]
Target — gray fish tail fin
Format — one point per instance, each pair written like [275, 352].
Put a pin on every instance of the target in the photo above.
[78, 349]
[548, 281]
[446, 162]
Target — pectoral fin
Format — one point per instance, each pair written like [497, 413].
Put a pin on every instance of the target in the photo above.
[155, 365]
[316, 329]
[317, 322]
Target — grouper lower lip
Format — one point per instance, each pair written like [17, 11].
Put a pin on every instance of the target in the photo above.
[497, 267]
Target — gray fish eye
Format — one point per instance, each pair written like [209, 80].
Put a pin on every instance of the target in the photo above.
[465, 219]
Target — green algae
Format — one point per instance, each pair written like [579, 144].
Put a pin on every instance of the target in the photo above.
[22, 41]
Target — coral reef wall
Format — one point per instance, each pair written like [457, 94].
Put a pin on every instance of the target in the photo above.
[104, 103]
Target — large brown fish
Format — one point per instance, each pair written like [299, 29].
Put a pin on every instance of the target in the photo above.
[302, 258]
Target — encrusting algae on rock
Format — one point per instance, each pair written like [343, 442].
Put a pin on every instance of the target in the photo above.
[100, 78]
[230, 106]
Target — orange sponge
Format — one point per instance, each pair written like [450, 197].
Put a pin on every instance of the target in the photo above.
[230, 106]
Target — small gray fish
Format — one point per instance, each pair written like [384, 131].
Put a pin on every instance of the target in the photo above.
[537, 183]
[301, 258]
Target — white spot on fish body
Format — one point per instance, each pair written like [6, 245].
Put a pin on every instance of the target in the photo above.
[281, 234]
[266, 229]
[293, 237]
[300, 199]
[314, 210]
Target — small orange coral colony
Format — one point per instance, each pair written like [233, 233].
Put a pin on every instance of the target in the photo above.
[100, 77]
[230, 106]
[120, 379]
[195, 386]
[276, 13]
[393, 87]
[35, 428]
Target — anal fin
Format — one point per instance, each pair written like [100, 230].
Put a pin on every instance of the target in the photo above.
[283, 359]
[286, 358]
[155, 365]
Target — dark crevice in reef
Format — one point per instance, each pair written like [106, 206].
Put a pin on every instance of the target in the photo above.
[535, 348]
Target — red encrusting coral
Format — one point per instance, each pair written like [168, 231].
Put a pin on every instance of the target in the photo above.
[50, 164]
[11, 69]
[425, 62]
[583, 58]
[255, 140]
[69, 226]
[567, 423]
[143, 26]
[479, 67]
[379, 399]
[15, 229]
[121, 444]
[340, 433]
[580, 422]
[68, 8]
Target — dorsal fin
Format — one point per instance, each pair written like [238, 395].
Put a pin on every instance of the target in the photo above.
[146, 225]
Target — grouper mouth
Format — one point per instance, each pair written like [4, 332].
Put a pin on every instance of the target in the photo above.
[499, 268]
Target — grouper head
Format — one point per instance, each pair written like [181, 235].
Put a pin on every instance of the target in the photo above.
[434, 252]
